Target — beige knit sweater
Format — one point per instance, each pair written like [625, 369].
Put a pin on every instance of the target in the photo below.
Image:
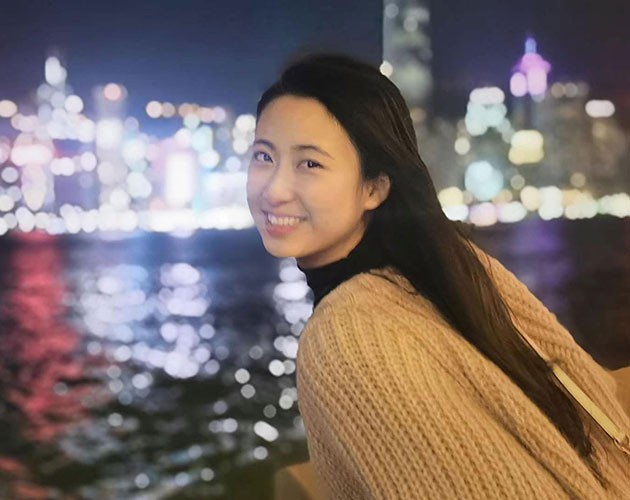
[397, 405]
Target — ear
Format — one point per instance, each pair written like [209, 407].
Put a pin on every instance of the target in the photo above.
[377, 191]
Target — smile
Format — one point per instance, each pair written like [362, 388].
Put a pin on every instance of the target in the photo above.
[282, 221]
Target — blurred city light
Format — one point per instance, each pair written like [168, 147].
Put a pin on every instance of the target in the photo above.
[600, 108]
[54, 72]
[180, 178]
[526, 147]
[483, 180]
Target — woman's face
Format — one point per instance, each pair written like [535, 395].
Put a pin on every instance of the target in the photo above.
[304, 185]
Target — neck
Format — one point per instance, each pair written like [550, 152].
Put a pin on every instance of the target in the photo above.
[367, 254]
[306, 263]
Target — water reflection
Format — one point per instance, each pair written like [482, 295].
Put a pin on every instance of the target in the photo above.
[47, 386]
[195, 378]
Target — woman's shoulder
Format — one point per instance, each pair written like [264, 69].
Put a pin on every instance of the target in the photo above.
[372, 311]
[377, 300]
[365, 323]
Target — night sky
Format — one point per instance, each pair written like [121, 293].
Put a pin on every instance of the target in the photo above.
[227, 52]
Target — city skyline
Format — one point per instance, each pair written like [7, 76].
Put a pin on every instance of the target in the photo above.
[67, 170]
[527, 144]
[226, 53]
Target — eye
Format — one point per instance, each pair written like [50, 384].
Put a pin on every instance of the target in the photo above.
[256, 156]
[312, 164]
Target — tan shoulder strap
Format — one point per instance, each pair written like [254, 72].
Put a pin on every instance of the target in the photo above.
[620, 438]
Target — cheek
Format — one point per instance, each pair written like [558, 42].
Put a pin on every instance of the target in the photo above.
[254, 185]
[333, 204]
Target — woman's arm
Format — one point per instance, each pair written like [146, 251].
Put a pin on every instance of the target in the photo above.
[533, 317]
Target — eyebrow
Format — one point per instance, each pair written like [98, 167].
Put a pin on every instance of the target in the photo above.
[297, 147]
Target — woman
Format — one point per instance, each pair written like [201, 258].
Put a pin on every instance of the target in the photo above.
[413, 378]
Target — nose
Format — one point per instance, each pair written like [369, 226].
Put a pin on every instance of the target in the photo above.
[278, 188]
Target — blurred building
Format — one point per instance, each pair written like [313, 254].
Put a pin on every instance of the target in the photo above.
[407, 56]
[585, 147]
[407, 50]
[110, 103]
[564, 138]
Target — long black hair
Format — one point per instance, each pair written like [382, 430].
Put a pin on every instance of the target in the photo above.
[431, 251]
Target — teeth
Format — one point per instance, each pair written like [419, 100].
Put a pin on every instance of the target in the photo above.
[282, 221]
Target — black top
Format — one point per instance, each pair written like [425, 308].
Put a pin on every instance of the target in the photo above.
[363, 257]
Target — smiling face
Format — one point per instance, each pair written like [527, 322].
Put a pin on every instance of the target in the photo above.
[304, 186]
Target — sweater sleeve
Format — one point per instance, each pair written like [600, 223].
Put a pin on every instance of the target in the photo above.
[385, 421]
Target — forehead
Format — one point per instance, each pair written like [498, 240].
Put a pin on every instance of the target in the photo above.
[293, 119]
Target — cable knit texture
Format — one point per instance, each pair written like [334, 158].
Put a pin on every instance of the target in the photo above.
[398, 405]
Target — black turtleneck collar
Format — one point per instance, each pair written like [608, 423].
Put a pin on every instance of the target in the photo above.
[363, 257]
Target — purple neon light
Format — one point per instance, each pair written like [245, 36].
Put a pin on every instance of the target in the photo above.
[529, 75]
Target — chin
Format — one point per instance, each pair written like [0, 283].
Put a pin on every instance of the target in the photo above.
[279, 251]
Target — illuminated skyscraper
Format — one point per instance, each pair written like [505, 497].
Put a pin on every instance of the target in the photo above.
[407, 49]
[528, 85]
[37, 149]
[407, 56]
[529, 75]
[585, 147]
[62, 120]
[110, 103]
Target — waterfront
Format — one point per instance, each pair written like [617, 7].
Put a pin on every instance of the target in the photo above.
[157, 366]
